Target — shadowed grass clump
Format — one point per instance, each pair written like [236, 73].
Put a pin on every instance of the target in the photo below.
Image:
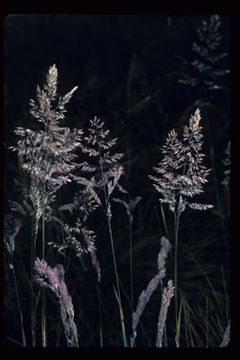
[71, 190]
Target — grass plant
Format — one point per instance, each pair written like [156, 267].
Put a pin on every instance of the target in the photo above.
[71, 191]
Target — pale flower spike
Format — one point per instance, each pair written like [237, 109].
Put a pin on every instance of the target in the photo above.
[181, 171]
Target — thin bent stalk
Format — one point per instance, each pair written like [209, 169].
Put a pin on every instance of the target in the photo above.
[131, 260]
[117, 283]
[114, 257]
[19, 308]
[176, 226]
[100, 316]
[33, 255]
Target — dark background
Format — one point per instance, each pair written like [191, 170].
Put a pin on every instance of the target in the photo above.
[127, 68]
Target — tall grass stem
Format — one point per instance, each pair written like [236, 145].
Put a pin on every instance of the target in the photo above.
[117, 283]
[108, 214]
[176, 227]
[24, 342]
[100, 316]
[131, 260]
[33, 255]
[43, 312]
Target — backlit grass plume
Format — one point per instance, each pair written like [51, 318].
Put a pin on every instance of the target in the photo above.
[181, 172]
[100, 177]
[181, 175]
[53, 279]
[48, 153]
[48, 157]
[208, 57]
[102, 165]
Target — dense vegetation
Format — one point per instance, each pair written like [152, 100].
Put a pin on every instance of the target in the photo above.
[143, 75]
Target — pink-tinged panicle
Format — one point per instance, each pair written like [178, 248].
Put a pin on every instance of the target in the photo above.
[227, 163]
[42, 273]
[46, 276]
[181, 171]
[168, 293]
[41, 267]
[207, 57]
[53, 278]
[165, 247]
[81, 239]
[89, 238]
[200, 206]
[98, 146]
[99, 176]
[115, 175]
[48, 154]
[51, 86]
[144, 298]
[153, 284]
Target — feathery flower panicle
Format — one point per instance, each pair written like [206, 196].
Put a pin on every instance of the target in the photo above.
[168, 293]
[181, 176]
[163, 253]
[104, 171]
[48, 153]
[53, 279]
[144, 298]
[208, 57]
[153, 284]
[97, 177]
[182, 173]
[101, 175]
[226, 199]
[89, 238]
[78, 236]
[83, 202]
[227, 163]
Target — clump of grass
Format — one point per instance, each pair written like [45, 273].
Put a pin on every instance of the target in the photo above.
[105, 174]
[49, 158]
[181, 176]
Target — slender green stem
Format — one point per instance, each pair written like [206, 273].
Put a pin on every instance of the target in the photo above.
[117, 283]
[43, 230]
[100, 315]
[131, 259]
[19, 307]
[43, 313]
[33, 255]
[114, 257]
[108, 214]
[207, 326]
[176, 226]
[164, 222]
